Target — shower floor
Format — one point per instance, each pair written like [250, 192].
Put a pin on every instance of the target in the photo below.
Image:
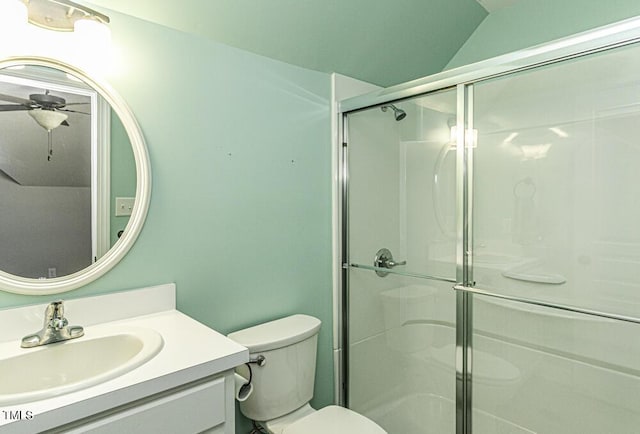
[426, 413]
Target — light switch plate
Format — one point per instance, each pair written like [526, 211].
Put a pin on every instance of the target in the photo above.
[124, 206]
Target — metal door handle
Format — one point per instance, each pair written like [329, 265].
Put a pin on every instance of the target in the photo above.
[384, 259]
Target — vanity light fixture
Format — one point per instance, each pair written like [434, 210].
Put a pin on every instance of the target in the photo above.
[63, 15]
[57, 29]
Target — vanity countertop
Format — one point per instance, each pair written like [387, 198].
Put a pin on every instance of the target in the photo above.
[191, 351]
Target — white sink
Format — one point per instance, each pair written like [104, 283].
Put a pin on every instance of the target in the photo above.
[103, 353]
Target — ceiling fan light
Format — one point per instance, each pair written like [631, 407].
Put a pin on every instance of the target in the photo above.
[48, 119]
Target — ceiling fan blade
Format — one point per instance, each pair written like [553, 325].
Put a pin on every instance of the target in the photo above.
[73, 111]
[77, 103]
[10, 98]
[12, 108]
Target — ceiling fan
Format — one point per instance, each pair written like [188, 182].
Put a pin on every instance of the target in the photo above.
[44, 108]
[40, 101]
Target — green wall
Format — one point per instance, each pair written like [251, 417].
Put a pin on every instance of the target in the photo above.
[240, 213]
[528, 23]
[123, 174]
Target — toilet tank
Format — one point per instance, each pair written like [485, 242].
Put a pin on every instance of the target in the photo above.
[285, 382]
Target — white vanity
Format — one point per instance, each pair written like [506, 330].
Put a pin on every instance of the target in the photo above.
[141, 367]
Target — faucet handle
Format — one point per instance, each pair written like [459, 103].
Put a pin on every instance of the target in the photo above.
[54, 315]
[58, 323]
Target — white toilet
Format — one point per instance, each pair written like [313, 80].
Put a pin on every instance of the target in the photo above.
[283, 385]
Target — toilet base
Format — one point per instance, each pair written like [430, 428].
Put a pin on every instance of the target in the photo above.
[276, 426]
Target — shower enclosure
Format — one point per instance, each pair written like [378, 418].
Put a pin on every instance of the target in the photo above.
[491, 244]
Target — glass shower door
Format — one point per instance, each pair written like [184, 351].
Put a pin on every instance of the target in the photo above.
[556, 212]
[401, 238]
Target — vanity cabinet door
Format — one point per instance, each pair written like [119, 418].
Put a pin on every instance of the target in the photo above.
[193, 410]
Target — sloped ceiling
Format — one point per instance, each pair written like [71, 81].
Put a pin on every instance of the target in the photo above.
[384, 42]
[494, 5]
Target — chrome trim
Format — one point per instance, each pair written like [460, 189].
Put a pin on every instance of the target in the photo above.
[401, 273]
[464, 352]
[260, 360]
[464, 324]
[599, 39]
[564, 307]
[469, 146]
[344, 215]
[55, 328]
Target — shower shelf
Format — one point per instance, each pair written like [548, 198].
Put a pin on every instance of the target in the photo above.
[400, 273]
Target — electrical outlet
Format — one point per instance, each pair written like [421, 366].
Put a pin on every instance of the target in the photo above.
[124, 206]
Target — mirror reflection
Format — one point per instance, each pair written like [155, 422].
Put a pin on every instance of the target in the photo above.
[67, 173]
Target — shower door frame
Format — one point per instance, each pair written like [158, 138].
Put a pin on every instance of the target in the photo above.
[463, 79]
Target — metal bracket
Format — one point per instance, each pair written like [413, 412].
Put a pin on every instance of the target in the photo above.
[260, 360]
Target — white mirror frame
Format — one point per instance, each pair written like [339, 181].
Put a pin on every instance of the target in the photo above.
[29, 286]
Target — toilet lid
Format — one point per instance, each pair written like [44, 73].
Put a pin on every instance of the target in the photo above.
[335, 420]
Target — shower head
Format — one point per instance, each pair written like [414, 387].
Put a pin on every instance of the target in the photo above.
[399, 114]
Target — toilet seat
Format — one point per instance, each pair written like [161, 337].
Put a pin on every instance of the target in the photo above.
[335, 420]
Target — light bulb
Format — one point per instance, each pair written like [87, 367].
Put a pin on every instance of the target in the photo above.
[13, 26]
[93, 45]
[94, 33]
[13, 14]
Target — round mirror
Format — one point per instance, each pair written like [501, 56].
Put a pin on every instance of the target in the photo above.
[75, 180]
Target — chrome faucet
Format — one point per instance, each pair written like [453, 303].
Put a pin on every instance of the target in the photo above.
[55, 329]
